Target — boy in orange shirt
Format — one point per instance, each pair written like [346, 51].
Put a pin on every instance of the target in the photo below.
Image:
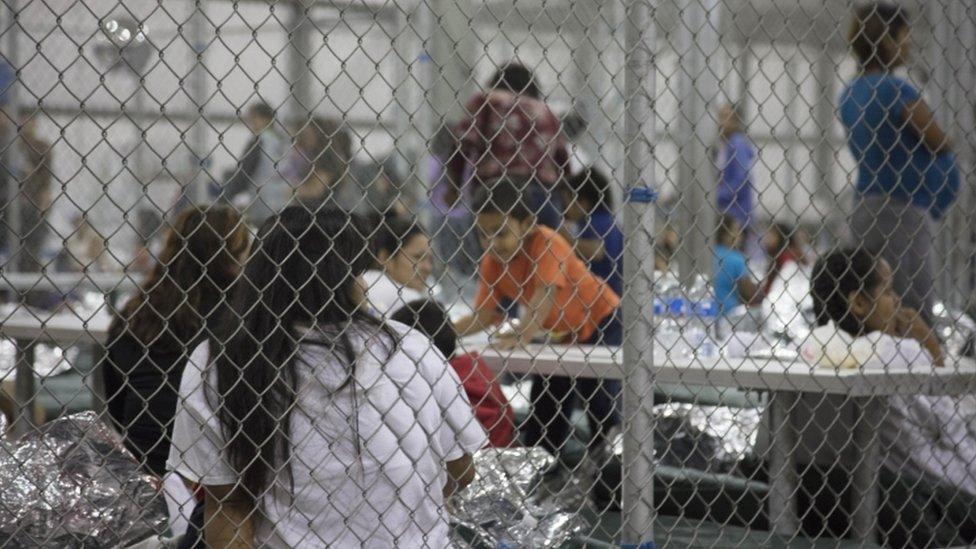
[556, 292]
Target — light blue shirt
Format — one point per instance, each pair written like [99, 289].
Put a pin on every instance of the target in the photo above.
[729, 268]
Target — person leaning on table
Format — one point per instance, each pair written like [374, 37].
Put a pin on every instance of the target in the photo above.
[927, 444]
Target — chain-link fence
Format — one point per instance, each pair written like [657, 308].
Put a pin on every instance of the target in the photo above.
[517, 273]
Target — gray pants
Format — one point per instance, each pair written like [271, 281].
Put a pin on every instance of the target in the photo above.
[903, 235]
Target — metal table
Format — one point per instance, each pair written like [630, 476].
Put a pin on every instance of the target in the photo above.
[28, 328]
[785, 381]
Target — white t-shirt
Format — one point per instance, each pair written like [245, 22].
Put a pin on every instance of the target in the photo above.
[386, 296]
[789, 296]
[408, 415]
[921, 436]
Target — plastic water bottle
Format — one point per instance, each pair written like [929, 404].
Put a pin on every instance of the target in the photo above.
[701, 325]
[669, 311]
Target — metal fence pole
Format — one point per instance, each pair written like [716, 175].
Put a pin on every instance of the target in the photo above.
[590, 80]
[823, 153]
[638, 349]
[958, 223]
[941, 101]
[452, 53]
[12, 212]
[198, 97]
[299, 61]
[698, 44]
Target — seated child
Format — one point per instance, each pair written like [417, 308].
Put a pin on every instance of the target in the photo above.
[600, 242]
[403, 265]
[733, 284]
[536, 267]
[861, 324]
[490, 405]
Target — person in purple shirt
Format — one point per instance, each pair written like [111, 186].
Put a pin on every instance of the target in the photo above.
[736, 155]
[455, 238]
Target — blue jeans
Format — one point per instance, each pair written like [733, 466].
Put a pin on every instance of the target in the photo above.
[554, 398]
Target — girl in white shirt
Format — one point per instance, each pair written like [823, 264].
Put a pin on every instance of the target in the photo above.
[308, 422]
[404, 265]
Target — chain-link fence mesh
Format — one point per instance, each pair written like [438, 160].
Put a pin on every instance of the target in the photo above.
[513, 273]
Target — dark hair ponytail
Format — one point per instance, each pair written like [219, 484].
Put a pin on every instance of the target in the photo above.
[302, 275]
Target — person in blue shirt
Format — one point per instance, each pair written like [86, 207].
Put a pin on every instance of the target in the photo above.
[733, 285]
[906, 173]
[599, 240]
[736, 155]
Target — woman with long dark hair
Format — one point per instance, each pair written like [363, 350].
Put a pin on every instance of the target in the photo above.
[151, 337]
[311, 423]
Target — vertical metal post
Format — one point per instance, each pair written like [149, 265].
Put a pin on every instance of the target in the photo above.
[8, 152]
[452, 58]
[198, 97]
[864, 516]
[782, 469]
[25, 388]
[966, 145]
[741, 65]
[300, 28]
[590, 78]
[410, 149]
[958, 223]
[943, 94]
[638, 348]
[698, 46]
[823, 152]
[795, 204]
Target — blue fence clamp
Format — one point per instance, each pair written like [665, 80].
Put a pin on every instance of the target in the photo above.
[645, 195]
[642, 545]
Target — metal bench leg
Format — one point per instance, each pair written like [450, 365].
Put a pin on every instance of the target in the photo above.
[24, 388]
[782, 469]
[865, 482]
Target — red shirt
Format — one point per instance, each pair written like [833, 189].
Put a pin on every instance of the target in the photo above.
[513, 135]
[490, 405]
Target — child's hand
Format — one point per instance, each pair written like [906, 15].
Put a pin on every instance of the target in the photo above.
[904, 322]
[506, 342]
[909, 323]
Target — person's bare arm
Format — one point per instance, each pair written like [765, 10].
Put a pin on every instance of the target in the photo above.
[565, 232]
[909, 323]
[227, 518]
[750, 293]
[532, 317]
[590, 249]
[918, 116]
[460, 473]
[478, 321]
